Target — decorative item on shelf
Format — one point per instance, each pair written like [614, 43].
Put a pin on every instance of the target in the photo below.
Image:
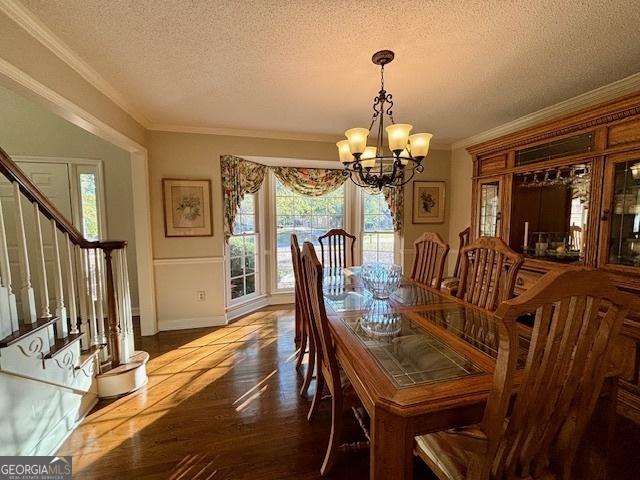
[187, 208]
[372, 166]
[381, 279]
[428, 202]
[555, 177]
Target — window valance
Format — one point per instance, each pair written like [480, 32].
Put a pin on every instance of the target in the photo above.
[240, 177]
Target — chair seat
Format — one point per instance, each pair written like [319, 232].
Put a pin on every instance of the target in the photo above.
[442, 455]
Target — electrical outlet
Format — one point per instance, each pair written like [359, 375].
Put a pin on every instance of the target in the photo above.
[201, 295]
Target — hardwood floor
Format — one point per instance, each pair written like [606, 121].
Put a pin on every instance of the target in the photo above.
[222, 403]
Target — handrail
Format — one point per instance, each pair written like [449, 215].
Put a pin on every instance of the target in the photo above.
[118, 314]
[14, 174]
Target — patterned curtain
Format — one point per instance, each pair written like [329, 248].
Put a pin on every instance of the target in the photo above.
[395, 201]
[239, 177]
[312, 182]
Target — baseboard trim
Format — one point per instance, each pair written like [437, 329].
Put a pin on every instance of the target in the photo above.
[195, 322]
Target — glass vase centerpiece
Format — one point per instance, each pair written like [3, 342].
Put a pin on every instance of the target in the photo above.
[381, 279]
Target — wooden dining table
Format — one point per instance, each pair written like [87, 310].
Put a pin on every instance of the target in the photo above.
[420, 362]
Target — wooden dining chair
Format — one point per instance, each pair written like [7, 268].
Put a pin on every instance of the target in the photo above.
[430, 256]
[339, 251]
[328, 369]
[488, 271]
[303, 329]
[450, 284]
[535, 433]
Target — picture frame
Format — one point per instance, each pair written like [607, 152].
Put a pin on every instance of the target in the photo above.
[428, 202]
[187, 207]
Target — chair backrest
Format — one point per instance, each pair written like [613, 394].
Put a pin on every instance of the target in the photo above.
[464, 237]
[488, 271]
[430, 255]
[578, 314]
[339, 248]
[297, 276]
[312, 271]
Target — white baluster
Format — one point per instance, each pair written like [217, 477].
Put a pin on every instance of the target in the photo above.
[127, 296]
[102, 337]
[26, 291]
[85, 342]
[71, 280]
[8, 308]
[61, 310]
[93, 322]
[44, 289]
[122, 305]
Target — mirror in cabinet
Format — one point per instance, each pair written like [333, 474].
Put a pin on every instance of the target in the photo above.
[624, 213]
[489, 207]
[549, 212]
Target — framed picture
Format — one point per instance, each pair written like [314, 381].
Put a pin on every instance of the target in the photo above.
[187, 207]
[428, 202]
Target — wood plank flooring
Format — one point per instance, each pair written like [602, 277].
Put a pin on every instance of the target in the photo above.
[222, 404]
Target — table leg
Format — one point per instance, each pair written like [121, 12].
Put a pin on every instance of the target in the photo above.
[391, 451]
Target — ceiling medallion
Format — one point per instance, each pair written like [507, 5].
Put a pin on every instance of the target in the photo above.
[373, 166]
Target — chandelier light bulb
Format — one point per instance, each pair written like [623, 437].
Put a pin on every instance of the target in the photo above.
[357, 138]
[420, 144]
[344, 152]
[368, 158]
[635, 171]
[398, 134]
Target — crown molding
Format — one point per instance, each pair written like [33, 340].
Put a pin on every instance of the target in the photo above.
[625, 86]
[38, 30]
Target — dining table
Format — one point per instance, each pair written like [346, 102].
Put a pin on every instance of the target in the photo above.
[420, 361]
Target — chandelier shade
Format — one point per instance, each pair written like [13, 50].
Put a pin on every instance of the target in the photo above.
[370, 166]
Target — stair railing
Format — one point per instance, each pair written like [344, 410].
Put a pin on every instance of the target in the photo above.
[49, 270]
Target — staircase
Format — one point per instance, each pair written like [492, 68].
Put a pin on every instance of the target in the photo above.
[66, 331]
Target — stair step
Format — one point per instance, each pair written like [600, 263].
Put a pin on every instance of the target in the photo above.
[93, 350]
[62, 343]
[25, 330]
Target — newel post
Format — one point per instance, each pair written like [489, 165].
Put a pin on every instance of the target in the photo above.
[112, 309]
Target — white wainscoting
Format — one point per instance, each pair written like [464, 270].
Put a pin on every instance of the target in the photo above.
[178, 281]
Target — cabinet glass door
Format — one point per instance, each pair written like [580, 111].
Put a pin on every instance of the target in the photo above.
[489, 208]
[624, 213]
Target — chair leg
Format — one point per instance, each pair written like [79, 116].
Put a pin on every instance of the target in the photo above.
[303, 348]
[310, 367]
[336, 434]
[317, 396]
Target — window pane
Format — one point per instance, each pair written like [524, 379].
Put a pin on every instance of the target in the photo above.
[236, 267]
[249, 264]
[308, 218]
[235, 246]
[378, 237]
[251, 284]
[243, 250]
[237, 287]
[89, 205]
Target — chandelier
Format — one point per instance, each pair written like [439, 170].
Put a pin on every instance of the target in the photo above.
[373, 166]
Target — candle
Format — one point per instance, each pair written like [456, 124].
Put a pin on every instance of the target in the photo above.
[526, 235]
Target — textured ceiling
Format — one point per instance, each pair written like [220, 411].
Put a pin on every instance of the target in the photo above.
[462, 66]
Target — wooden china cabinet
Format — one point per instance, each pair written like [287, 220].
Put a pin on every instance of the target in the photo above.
[566, 194]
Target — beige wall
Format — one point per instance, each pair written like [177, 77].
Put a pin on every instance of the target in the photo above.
[460, 198]
[185, 265]
[27, 129]
[437, 168]
[25, 53]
